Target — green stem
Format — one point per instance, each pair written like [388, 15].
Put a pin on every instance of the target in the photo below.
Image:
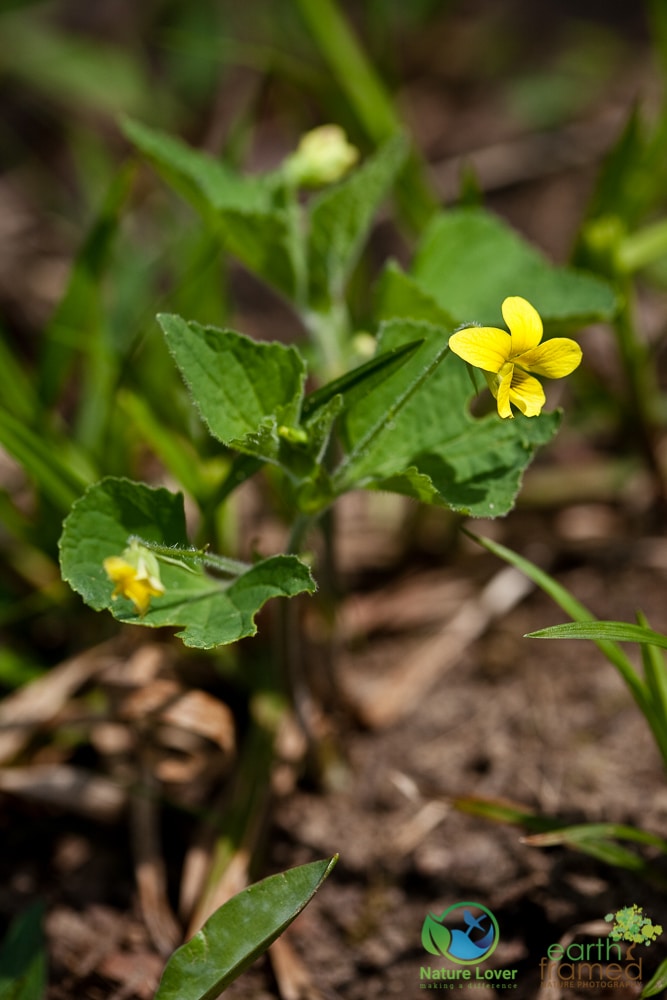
[296, 227]
[197, 557]
[642, 388]
[300, 527]
[329, 333]
[351, 68]
[643, 247]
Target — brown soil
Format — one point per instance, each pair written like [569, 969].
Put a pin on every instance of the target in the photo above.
[436, 701]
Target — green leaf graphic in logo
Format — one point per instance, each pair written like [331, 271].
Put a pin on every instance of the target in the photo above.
[435, 936]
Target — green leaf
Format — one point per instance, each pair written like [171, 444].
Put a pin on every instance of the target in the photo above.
[23, 960]
[600, 840]
[356, 384]
[436, 938]
[70, 67]
[16, 387]
[413, 433]
[341, 217]
[605, 630]
[239, 932]
[210, 611]
[469, 261]
[242, 209]
[206, 182]
[656, 983]
[243, 388]
[613, 194]
[399, 295]
[579, 833]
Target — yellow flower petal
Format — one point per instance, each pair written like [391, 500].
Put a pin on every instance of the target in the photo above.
[119, 571]
[526, 393]
[553, 359]
[524, 324]
[484, 347]
[503, 394]
[136, 585]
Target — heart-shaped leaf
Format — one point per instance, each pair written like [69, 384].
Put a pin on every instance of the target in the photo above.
[211, 610]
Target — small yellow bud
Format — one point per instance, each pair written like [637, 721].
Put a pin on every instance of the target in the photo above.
[135, 575]
[323, 156]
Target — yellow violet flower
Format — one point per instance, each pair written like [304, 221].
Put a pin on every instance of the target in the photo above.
[135, 575]
[508, 359]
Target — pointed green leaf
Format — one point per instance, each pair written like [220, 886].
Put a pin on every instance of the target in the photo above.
[600, 840]
[241, 208]
[16, 386]
[210, 610]
[657, 983]
[202, 179]
[581, 832]
[436, 938]
[356, 384]
[414, 433]
[469, 261]
[23, 959]
[611, 631]
[239, 932]
[244, 389]
[340, 220]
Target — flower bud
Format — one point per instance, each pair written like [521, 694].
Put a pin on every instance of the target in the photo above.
[323, 156]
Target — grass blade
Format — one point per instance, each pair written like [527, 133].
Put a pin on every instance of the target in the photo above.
[614, 631]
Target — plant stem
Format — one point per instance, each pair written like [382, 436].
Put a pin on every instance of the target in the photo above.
[642, 388]
[230, 567]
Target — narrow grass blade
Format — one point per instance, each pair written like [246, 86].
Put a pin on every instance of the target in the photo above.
[69, 330]
[368, 97]
[655, 674]
[601, 841]
[502, 811]
[614, 631]
[41, 457]
[578, 833]
[176, 453]
[565, 600]
[657, 983]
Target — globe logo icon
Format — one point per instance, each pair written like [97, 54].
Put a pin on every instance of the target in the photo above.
[466, 933]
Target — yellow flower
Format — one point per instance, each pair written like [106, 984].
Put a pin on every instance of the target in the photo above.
[135, 575]
[507, 359]
[323, 156]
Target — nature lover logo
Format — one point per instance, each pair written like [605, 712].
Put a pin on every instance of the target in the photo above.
[466, 933]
